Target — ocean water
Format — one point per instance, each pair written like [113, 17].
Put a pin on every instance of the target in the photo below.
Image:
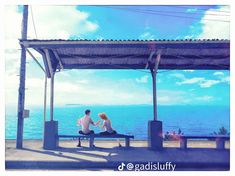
[133, 119]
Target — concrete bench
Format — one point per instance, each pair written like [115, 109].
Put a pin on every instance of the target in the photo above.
[220, 140]
[92, 137]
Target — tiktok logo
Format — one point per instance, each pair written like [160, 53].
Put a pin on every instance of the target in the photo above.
[121, 167]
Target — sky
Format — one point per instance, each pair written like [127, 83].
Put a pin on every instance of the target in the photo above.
[117, 87]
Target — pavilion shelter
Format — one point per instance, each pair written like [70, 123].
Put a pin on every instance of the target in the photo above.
[59, 55]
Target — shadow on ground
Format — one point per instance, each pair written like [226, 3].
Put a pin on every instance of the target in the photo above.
[98, 158]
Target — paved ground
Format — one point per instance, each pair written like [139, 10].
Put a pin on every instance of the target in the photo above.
[107, 155]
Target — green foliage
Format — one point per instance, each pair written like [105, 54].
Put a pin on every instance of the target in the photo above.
[179, 131]
[222, 131]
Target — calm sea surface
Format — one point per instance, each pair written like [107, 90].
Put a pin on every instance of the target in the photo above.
[132, 119]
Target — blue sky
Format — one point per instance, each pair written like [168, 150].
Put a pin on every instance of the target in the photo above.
[134, 24]
[119, 22]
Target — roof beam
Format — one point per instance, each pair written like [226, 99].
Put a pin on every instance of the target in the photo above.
[149, 59]
[48, 59]
[58, 58]
[44, 61]
[27, 43]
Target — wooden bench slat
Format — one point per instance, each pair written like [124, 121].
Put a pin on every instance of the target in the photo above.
[220, 140]
[93, 136]
[205, 137]
[96, 136]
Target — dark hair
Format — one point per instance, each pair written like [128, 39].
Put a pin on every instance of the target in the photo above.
[87, 111]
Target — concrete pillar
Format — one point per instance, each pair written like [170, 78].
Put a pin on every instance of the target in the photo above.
[51, 127]
[50, 135]
[155, 138]
[183, 143]
[220, 143]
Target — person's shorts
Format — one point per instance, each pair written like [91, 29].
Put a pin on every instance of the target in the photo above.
[81, 132]
[107, 133]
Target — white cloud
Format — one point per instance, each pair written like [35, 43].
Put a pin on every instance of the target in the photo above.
[208, 83]
[11, 89]
[205, 98]
[178, 75]
[218, 73]
[143, 79]
[169, 97]
[102, 91]
[61, 22]
[91, 26]
[146, 36]
[96, 90]
[191, 81]
[226, 79]
[216, 29]
[189, 36]
[51, 22]
[12, 27]
[202, 82]
[222, 77]
[189, 71]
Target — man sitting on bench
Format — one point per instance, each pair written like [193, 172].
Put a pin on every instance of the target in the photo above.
[85, 122]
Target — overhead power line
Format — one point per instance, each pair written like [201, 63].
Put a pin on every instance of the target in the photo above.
[196, 7]
[188, 13]
[160, 13]
[34, 27]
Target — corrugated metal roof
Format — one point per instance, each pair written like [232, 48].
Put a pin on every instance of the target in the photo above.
[160, 40]
[124, 54]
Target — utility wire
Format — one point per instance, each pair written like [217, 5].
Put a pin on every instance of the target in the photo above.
[196, 7]
[34, 27]
[191, 13]
[160, 14]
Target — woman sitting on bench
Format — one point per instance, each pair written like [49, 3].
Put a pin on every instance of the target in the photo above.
[106, 125]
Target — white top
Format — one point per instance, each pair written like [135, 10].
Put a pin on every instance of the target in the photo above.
[107, 126]
[85, 123]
